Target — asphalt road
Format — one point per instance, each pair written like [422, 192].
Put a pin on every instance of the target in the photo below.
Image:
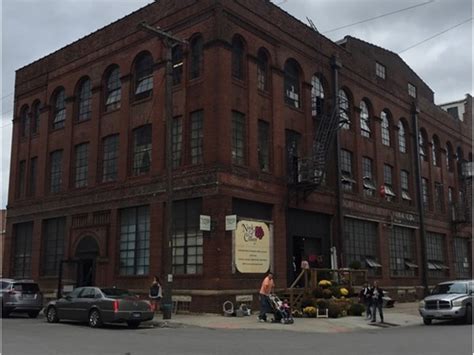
[23, 336]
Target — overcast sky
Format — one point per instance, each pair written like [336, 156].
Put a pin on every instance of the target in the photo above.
[32, 29]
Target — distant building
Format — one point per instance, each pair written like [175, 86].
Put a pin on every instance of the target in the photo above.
[459, 109]
[259, 98]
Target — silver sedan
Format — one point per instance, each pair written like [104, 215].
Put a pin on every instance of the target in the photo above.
[100, 305]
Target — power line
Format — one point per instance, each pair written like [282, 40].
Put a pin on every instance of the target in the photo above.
[380, 16]
[436, 35]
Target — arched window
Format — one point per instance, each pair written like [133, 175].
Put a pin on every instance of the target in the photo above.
[344, 110]
[59, 111]
[262, 70]
[24, 121]
[143, 76]
[436, 151]
[113, 93]
[402, 138]
[237, 58]
[84, 105]
[292, 83]
[317, 96]
[385, 128]
[177, 58]
[449, 157]
[195, 66]
[423, 142]
[364, 120]
[35, 119]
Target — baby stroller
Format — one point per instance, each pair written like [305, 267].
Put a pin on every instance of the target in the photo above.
[281, 314]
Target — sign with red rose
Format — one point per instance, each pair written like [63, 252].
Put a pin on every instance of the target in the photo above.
[252, 247]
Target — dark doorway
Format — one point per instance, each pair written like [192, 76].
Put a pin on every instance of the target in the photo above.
[308, 239]
[87, 252]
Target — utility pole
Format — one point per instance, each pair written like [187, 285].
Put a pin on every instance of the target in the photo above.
[168, 41]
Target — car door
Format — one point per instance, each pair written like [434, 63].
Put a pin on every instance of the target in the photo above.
[84, 303]
[66, 306]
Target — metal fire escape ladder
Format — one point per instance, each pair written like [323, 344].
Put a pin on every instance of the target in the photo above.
[312, 169]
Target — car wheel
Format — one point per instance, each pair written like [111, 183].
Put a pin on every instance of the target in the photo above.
[33, 314]
[468, 314]
[427, 321]
[133, 324]
[52, 315]
[95, 320]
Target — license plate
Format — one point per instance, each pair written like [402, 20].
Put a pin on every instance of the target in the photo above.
[136, 314]
[29, 296]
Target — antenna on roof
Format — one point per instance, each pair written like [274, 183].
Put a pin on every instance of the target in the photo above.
[311, 24]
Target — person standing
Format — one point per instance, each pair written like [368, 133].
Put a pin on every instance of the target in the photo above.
[155, 293]
[366, 299]
[267, 287]
[377, 302]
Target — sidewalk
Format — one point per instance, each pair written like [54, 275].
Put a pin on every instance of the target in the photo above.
[404, 314]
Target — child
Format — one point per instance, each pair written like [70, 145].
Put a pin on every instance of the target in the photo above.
[285, 309]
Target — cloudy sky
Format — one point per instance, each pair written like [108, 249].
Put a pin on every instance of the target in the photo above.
[32, 29]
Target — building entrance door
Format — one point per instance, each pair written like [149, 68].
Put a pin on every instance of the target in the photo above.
[87, 252]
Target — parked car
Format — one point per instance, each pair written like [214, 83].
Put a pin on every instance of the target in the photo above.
[449, 300]
[20, 296]
[100, 305]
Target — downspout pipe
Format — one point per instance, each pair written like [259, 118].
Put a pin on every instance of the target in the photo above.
[419, 191]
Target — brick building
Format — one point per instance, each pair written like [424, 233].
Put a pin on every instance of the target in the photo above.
[3, 228]
[88, 165]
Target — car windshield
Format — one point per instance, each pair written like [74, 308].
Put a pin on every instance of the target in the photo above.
[455, 288]
[116, 292]
[4, 284]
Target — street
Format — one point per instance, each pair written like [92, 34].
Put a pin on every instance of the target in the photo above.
[23, 336]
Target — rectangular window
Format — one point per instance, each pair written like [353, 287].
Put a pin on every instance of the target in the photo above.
[425, 193]
[361, 244]
[453, 111]
[22, 249]
[367, 177]
[412, 90]
[135, 240]
[177, 59]
[238, 138]
[405, 185]
[439, 196]
[435, 245]
[187, 238]
[142, 150]
[81, 165]
[56, 170]
[380, 70]
[388, 182]
[21, 179]
[110, 148]
[33, 174]
[53, 245]
[462, 266]
[197, 135]
[402, 252]
[264, 145]
[293, 146]
[346, 170]
[177, 140]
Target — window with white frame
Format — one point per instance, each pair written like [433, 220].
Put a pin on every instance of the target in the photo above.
[404, 183]
[143, 76]
[462, 265]
[360, 244]
[385, 129]
[81, 167]
[412, 90]
[364, 120]
[238, 138]
[402, 139]
[113, 90]
[262, 70]
[439, 197]
[196, 144]
[23, 241]
[425, 193]
[380, 70]
[135, 240]
[177, 61]
[317, 96]
[344, 110]
[56, 171]
[59, 111]
[141, 150]
[402, 252]
[346, 170]
[292, 84]
[435, 245]
[388, 182]
[84, 105]
[110, 147]
[177, 140]
[367, 176]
